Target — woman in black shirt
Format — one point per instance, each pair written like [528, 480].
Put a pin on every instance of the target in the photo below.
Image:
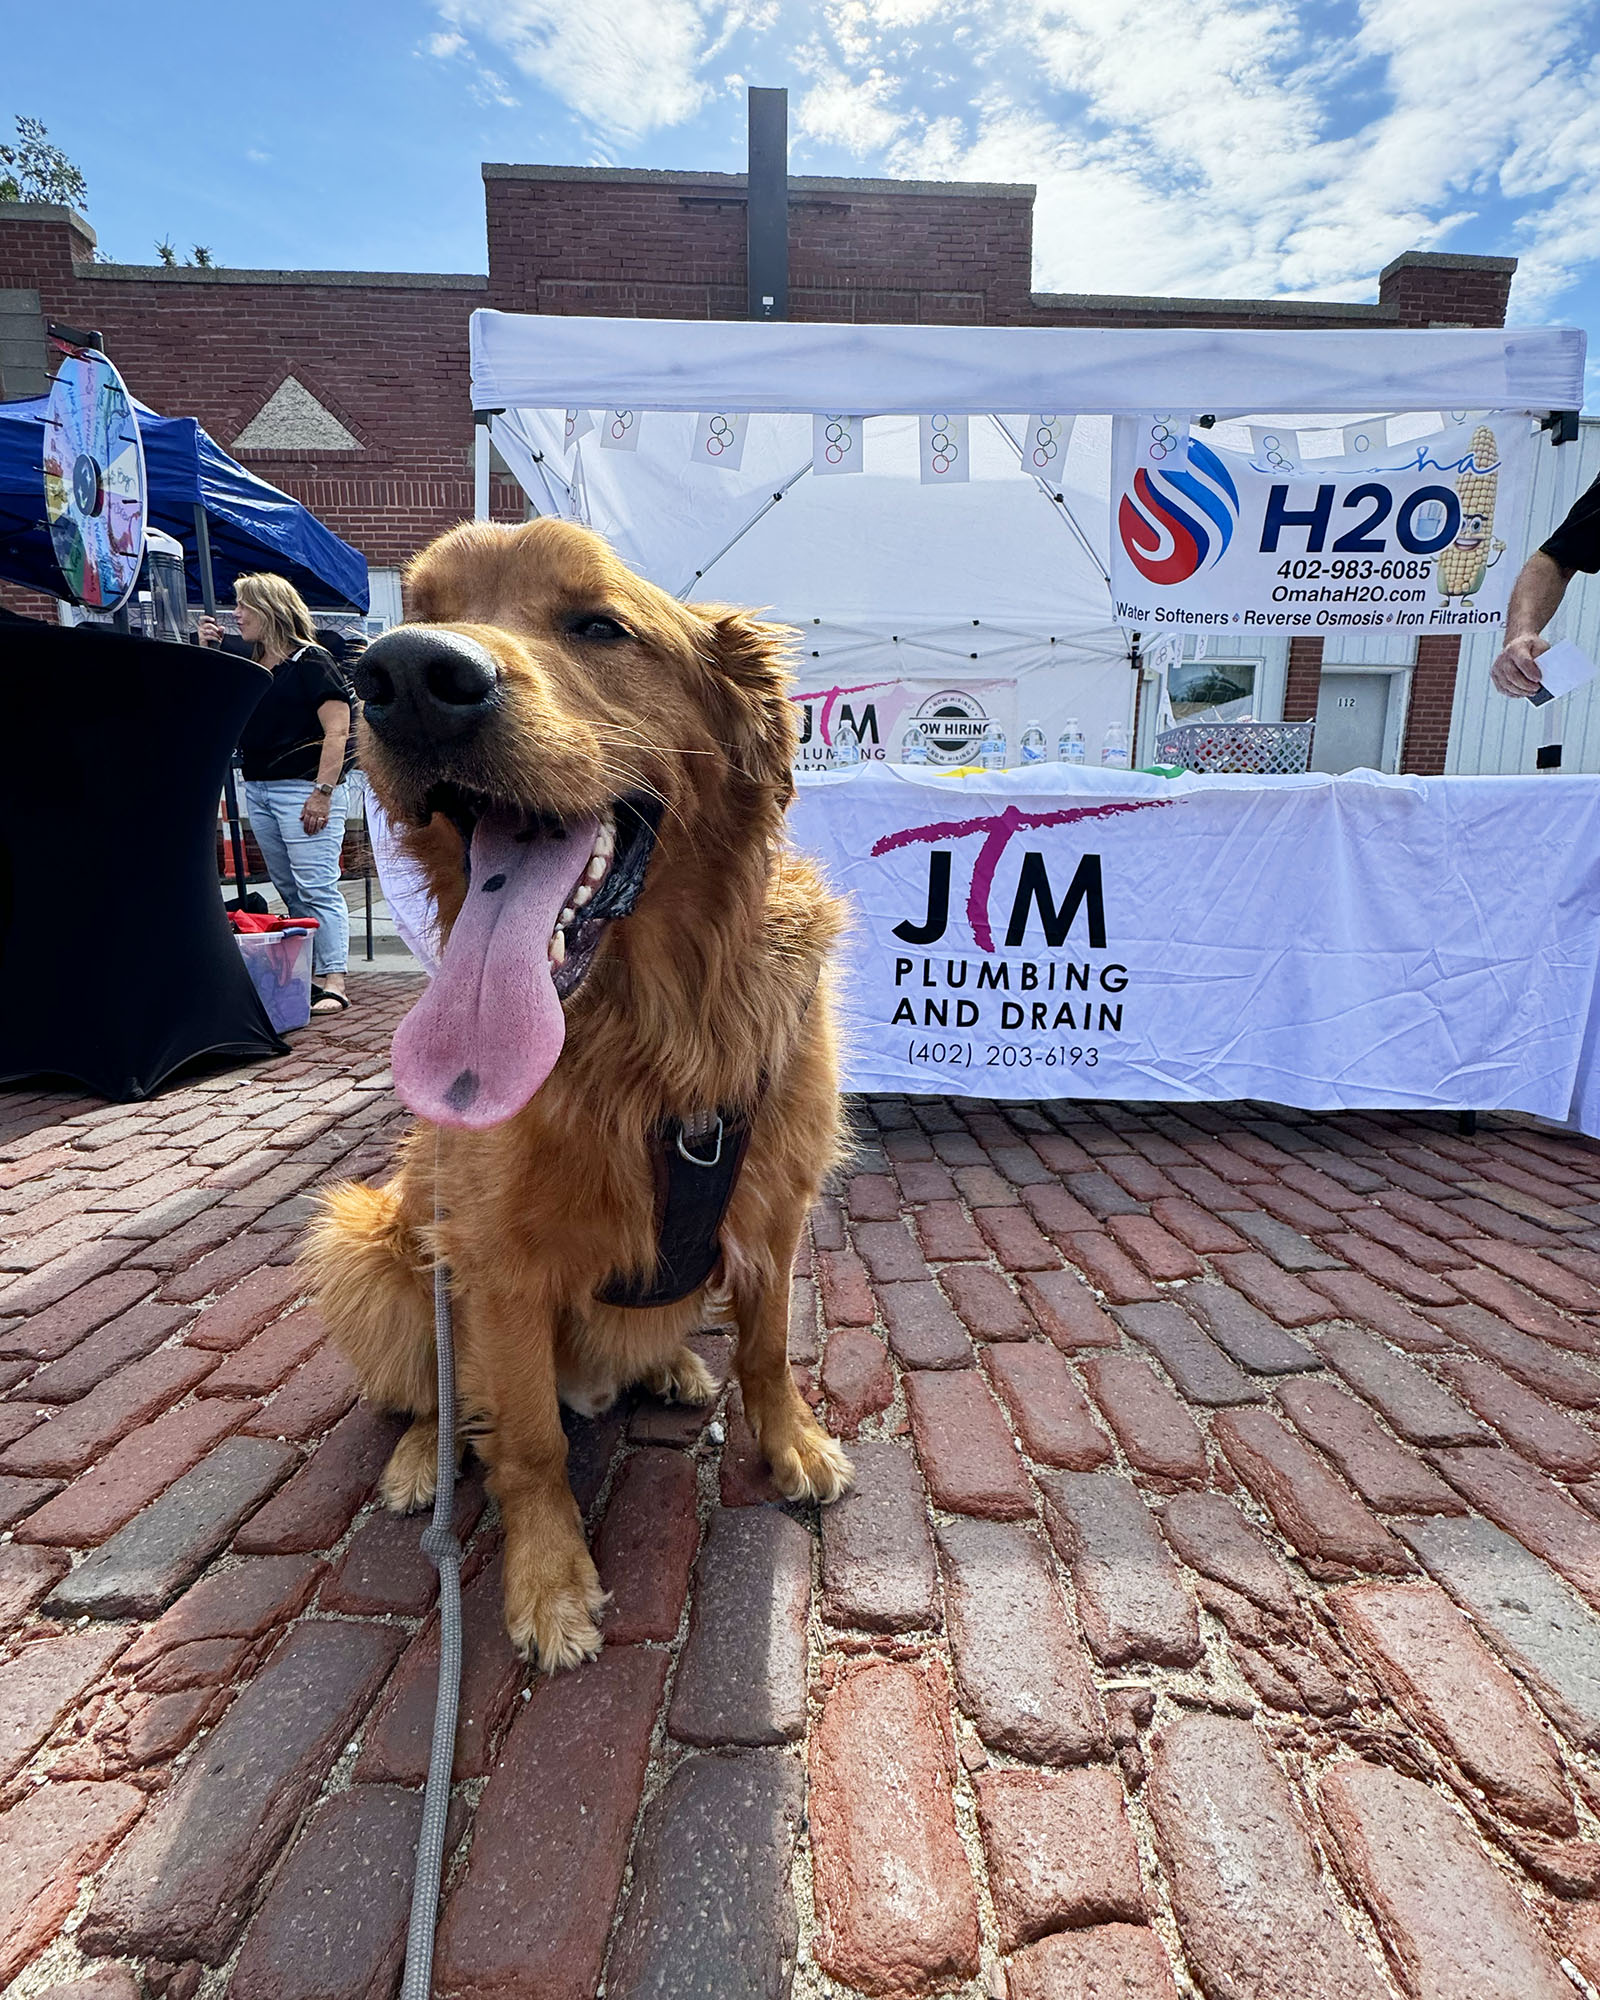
[295, 750]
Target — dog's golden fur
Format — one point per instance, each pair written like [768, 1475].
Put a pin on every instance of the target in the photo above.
[714, 992]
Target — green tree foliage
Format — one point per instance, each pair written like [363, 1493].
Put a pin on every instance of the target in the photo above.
[201, 258]
[35, 170]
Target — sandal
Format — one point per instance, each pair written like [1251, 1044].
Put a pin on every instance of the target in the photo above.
[319, 994]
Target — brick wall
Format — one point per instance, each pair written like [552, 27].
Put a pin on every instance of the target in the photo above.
[1428, 288]
[387, 352]
[1304, 682]
[42, 245]
[1433, 693]
[672, 245]
[27, 603]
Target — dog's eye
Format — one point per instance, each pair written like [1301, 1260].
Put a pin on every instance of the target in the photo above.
[598, 630]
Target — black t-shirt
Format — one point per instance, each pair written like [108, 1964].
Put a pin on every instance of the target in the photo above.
[1576, 543]
[283, 738]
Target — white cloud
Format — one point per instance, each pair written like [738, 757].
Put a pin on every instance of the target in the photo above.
[1218, 147]
[628, 67]
[485, 85]
[1211, 151]
[848, 111]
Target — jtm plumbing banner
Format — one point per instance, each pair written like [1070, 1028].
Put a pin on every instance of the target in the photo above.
[1313, 531]
[1312, 941]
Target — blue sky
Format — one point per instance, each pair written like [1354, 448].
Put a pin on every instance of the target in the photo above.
[1219, 148]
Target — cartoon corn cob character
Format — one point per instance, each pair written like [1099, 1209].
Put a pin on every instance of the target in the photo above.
[1469, 558]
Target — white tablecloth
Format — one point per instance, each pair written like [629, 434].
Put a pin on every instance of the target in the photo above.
[1314, 941]
[1320, 942]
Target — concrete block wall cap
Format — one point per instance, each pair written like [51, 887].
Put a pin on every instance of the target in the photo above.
[508, 170]
[190, 274]
[47, 211]
[1445, 260]
[1151, 302]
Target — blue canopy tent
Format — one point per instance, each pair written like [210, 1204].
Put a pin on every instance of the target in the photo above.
[252, 526]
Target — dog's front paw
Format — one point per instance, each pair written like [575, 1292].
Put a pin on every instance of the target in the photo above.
[810, 1465]
[683, 1379]
[551, 1603]
[410, 1479]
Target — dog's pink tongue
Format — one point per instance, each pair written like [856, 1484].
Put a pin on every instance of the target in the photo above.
[487, 1032]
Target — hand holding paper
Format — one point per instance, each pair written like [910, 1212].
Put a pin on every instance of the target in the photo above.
[1562, 667]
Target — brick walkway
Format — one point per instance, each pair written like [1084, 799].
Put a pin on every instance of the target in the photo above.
[1216, 1611]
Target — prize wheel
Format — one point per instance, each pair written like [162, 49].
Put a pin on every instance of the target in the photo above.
[94, 482]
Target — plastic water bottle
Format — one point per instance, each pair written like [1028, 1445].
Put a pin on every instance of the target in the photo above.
[913, 746]
[992, 750]
[1114, 747]
[1071, 749]
[1035, 750]
[847, 750]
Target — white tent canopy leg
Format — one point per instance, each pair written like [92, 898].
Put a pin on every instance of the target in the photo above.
[481, 444]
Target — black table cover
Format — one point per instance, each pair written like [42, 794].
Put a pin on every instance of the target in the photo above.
[117, 964]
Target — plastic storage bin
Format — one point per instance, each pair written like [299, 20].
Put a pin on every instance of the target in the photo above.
[279, 964]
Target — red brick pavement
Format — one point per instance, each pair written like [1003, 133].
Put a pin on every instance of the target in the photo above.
[1217, 1609]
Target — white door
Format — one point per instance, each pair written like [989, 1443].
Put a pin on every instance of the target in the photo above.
[1352, 714]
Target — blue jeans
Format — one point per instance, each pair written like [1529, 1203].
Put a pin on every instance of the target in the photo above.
[304, 866]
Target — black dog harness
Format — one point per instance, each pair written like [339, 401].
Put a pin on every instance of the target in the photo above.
[696, 1168]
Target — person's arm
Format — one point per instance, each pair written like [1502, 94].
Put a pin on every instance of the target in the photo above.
[1535, 599]
[335, 719]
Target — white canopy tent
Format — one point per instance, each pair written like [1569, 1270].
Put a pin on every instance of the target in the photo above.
[990, 584]
[998, 580]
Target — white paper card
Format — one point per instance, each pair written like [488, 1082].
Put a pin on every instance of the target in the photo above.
[1322, 444]
[1163, 441]
[1044, 445]
[619, 431]
[835, 444]
[944, 450]
[719, 439]
[1275, 449]
[1561, 669]
[1415, 424]
[579, 424]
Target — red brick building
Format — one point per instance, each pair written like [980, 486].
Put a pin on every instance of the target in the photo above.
[349, 388]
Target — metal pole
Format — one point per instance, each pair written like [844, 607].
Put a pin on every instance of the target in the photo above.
[230, 793]
[208, 583]
[1548, 755]
[480, 467]
[366, 855]
[767, 206]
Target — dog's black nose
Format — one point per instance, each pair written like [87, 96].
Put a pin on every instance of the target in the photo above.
[422, 684]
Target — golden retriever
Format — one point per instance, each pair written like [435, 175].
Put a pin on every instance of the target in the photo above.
[594, 778]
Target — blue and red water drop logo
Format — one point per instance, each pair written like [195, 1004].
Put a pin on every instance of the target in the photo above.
[1176, 523]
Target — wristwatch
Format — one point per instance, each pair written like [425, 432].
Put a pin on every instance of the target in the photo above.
[326, 790]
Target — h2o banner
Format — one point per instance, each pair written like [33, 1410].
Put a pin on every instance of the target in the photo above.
[1319, 531]
[1308, 941]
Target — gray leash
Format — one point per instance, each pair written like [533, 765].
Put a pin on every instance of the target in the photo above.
[440, 1544]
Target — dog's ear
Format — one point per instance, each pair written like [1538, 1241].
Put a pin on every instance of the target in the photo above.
[750, 659]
